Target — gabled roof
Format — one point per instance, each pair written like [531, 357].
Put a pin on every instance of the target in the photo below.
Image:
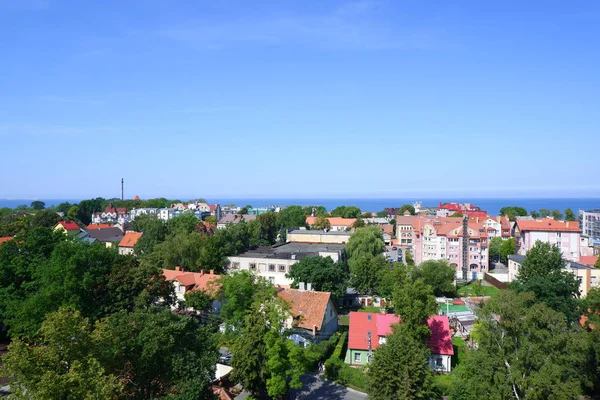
[307, 305]
[361, 324]
[236, 218]
[585, 260]
[130, 239]
[106, 235]
[548, 225]
[69, 225]
[193, 280]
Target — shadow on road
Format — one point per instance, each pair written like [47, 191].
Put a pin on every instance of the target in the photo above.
[317, 388]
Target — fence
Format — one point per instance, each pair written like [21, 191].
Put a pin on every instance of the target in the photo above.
[494, 282]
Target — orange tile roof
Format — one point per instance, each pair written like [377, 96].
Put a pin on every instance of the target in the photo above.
[585, 260]
[130, 239]
[194, 280]
[5, 239]
[307, 305]
[334, 221]
[548, 225]
[98, 226]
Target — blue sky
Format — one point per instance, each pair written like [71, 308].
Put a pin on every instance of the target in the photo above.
[299, 99]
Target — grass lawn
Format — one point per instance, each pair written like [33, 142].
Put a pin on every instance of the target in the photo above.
[442, 383]
[344, 320]
[467, 290]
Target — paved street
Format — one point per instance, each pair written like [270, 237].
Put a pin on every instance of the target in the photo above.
[317, 388]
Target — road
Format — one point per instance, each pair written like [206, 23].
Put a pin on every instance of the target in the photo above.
[317, 388]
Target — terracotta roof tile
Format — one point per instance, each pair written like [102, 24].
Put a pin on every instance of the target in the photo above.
[547, 225]
[585, 260]
[334, 221]
[307, 305]
[4, 239]
[69, 225]
[98, 226]
[194, 280]
[130, 239]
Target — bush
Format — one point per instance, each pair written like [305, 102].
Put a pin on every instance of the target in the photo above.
[341, 347]
[332, 368]
[353, 377]
[321, 351]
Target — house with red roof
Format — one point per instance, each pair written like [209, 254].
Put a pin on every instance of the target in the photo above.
[313, 315]
[128, 242]
[564, 234]
[5, 239]
[368, 331]
[67, 227]
[185, 282]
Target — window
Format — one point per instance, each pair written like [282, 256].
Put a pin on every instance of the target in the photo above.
[439, 362]
[272, 280]
[558, 234]
[272, 267]
[235, 265]
[369, 318]
[281, 268]
[356, 357]
[253, 266]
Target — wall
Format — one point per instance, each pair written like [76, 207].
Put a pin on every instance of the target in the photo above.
[318, 238]
[446, 365]
[276, 277]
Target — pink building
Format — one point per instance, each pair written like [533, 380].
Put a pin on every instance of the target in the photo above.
[441, 238]
[564, 234]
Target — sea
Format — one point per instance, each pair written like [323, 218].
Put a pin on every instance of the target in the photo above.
[491, 205]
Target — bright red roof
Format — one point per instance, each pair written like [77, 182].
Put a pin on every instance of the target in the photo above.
[193, 280]
[585, 260]
[361, 324]
[69, 225]
[5, 239]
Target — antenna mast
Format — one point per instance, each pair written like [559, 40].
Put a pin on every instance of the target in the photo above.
[122, 189]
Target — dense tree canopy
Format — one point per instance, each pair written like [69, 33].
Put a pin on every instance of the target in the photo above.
[513, 212]
[507, 248]
[439, 275]
[346, 212]
[323, 273]
[570, 215]
[406, 207]
[321, 223]
[494, 248]
[364, 241]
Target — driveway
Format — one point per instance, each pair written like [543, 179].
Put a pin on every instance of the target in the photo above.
[317, 388]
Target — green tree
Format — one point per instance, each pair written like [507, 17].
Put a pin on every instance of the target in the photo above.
[45, 218]
[414, 302]
[155, 231]
[534, 214]
[184, 223]
[525, 350]
[321, 223]
[63, 207]
[61, 365]
[38, 205]
[338, 211]
[393, 277]
[268, 228]
[359, 223]
[456, 215]
[88, 207]
[323, 273]
[211, 219]
[439, 275]
[364, 241]
[366, 273]
[319, 211]
[291, 217]
[542, 274]
[507, 248]
[477, 288]
[591, 323]
[406, 207]
[161, 354]
[400, 368]
[513, 212]
[570, 215]
[408, 257]
[544, 212]
[494, 248]
[346, 212]
[73, 213]
[244, 210]
[557, 215]
[382, 214]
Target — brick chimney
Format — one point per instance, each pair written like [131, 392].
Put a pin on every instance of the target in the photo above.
[314, 331]
[201, 272]
[177, 268]
[212, 271]
[567, 224]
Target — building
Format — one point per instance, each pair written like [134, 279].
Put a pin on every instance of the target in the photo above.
[136, 212]
[108, 236]
[314, 236]
[368, 331]
[314, 316]
[588, 276]
[448, 209]
[444, 238]
[590, 224]
[103, 226]
[260, 210]
[404, 230]
[495, 226]
[185, 282]
[338, 224]
[67, 227]
[215, 211]
[5, 239]
[127, 244]
[273, 263]
[564, 234]
[234, 219]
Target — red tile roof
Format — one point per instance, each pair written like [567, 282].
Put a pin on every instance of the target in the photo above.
[548, 225]
[585, 260]
[307, 306]
[130, 239]
[5, 239]
[334, 221]
[98, 226]
[361, 324]
[193, 280]
[69, 225]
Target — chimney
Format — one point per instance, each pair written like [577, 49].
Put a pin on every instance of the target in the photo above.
[201, 272]
[314, 330]
[212, 271]
[309, 286]
[567, 224]
[177, 268]
[301, 286]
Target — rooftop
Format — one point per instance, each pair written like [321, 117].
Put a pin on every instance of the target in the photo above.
[548, 224]
[69, 225]
[106, 235]
[299, 250]
[130, 239]
[317, 232]
[306, 305]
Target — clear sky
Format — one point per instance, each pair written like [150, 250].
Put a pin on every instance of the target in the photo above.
[299, 98]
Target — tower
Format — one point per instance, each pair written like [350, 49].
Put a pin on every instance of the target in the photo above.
[122, 189]
[465, 247]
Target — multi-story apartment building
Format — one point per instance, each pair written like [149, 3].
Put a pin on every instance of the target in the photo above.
[590, 224]
[111, 214]
[564, 234]
[273, 263]
[495, 226]
[442, 238]
[404, 230]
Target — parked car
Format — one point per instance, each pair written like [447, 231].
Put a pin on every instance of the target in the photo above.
[394, 248]
[225, 358]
